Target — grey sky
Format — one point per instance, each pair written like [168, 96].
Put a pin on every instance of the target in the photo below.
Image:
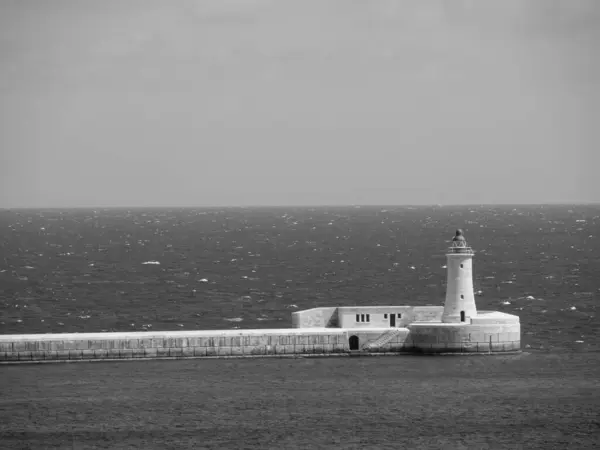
[242, 102]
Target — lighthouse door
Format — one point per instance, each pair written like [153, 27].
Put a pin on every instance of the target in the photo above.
[392, 320]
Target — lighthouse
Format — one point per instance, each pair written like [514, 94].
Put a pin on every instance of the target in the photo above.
[460, 300]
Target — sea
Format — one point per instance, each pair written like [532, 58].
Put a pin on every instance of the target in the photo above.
[92, 270]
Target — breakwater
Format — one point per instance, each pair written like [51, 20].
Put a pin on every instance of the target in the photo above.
[424, 338]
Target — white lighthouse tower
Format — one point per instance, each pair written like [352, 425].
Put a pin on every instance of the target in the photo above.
[460, 300]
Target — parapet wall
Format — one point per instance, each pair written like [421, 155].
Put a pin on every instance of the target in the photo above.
[493, 317]
[316, 318]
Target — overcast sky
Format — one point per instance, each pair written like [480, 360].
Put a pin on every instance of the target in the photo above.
[257, 102]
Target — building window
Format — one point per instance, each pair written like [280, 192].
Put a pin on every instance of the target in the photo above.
[357, 318]
[462, 296]
[385, 316]
[362, 317]
[368, 317]
[399, 316]
[461, 266]
[462, 316]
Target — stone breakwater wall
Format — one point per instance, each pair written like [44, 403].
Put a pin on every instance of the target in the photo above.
[417, 338]
[175, 344]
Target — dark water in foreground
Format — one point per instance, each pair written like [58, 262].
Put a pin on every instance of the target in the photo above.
[80, 271]
[526, 401]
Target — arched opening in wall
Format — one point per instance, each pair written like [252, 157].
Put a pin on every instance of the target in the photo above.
[462, 316]
[353, 341]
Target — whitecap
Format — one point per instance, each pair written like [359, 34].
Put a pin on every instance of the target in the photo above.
[234, 319]
[151, 262]
[443, 267]
[412, 267]
[573, 308]
[530, 297]
[506, 303]
[292, 306]
[579, 342]
[203, 280]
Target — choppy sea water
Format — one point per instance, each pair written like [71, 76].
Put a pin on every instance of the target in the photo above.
[85, 270]
[181, 269]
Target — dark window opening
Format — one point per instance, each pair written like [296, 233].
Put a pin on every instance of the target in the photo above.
[385, 316]
[461, 266]
[462, 316]
[462, 296]
[368, 317]
[357, 318]
[399, 316]
[353, 341]
[362, 317]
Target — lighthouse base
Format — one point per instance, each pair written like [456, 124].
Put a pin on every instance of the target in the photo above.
[488, 332]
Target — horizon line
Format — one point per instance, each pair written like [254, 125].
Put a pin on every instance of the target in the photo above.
[341, 205]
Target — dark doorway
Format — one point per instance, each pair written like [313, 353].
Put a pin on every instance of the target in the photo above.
[462, 316]
[353, 342]
[392, 320]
